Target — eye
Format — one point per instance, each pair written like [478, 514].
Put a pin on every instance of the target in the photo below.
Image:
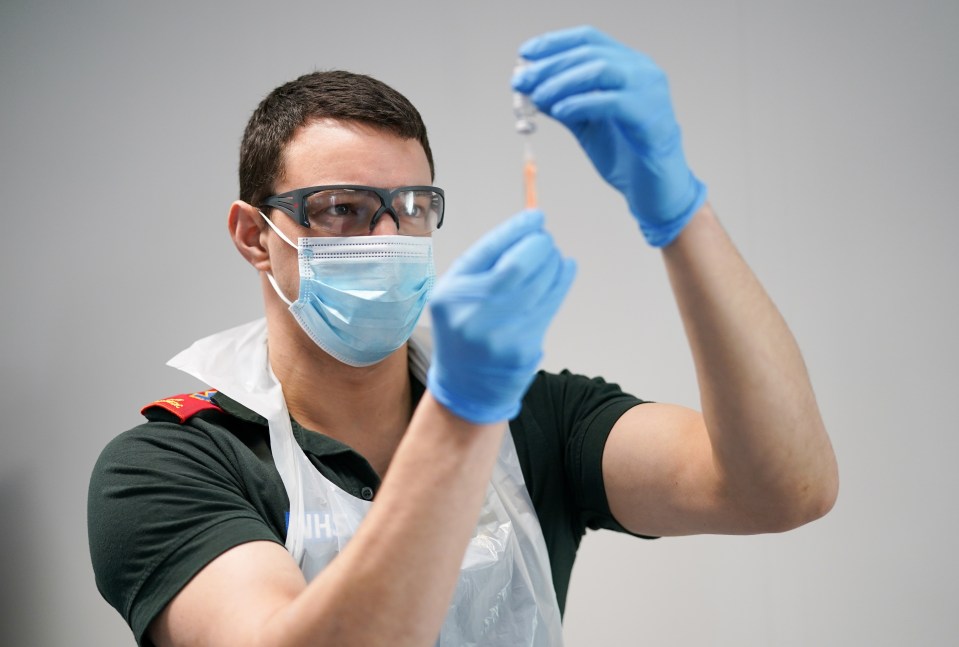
[415, 204]
[342, 209]
[340, 204]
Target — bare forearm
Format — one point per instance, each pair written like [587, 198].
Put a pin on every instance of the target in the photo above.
[768, 439]
[393, 582]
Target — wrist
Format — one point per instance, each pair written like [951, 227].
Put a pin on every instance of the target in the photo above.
[440, 416]
[662, 232]
[479, 397]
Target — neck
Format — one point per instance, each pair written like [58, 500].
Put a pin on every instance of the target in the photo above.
[366, 408]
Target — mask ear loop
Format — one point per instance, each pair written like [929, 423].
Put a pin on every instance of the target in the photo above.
[269, 276]
[277, 230]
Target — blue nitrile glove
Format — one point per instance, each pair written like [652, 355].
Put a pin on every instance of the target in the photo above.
[616, 101]
[490, 312]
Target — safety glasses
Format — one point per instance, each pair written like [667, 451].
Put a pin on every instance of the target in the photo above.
[352, 210]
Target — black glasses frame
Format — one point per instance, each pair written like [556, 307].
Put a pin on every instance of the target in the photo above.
[293, 202]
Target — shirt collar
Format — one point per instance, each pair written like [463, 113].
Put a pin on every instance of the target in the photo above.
[314, 442]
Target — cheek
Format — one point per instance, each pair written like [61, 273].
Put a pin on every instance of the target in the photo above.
[286, 272]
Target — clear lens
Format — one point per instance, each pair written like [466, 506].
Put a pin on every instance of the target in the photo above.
[342, 212]
[418, 211]
[349, 212]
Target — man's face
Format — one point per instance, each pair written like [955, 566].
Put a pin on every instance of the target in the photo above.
[332, 152]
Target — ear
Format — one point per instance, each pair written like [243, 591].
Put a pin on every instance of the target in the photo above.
[246, 229]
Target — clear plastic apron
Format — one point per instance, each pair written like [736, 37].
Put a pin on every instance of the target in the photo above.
[504, 595]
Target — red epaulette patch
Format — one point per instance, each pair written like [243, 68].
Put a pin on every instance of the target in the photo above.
[185, 405]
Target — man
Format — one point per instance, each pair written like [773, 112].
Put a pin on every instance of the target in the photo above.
[346, 487]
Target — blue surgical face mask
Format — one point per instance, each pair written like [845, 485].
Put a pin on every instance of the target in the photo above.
[360, 296]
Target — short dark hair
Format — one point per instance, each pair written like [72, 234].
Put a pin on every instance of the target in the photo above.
[336, 94]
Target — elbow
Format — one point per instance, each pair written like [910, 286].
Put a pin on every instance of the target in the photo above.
[813, 488]
[818, 504]
[785, 504]
[826, 495]
[810, 501]
[824, 487]
[784, 515]
[831, 490]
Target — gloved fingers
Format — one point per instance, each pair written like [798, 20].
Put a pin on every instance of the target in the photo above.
[557, 41]
[522, 265]
[485, 252]
[592, 69]
[582, 108]
[543, 296]
[517, 282]
[509, 276]
[594, 75]
[538, 280]
[645, 120]
[526, 79]
[597, 106]
[561, 281]
[520, 327]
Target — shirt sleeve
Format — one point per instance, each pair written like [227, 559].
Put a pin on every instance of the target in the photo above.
[165, 499]
[577, 413]
[560, 435]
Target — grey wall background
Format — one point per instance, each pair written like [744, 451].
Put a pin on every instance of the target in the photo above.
[825, 130]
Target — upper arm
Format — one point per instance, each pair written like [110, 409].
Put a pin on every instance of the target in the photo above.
[165, 501]
[231, 600]
[660, 476]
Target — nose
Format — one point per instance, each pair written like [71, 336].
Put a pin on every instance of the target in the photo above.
[384, 224]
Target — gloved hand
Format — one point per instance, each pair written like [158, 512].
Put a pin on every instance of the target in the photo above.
[616, 102]
[490, 312]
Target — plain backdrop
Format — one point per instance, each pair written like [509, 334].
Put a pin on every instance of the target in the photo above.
[826, 132]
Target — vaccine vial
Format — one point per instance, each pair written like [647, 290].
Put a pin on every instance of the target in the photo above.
[523, 108]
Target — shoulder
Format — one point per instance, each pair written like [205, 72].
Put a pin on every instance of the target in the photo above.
[562, 429]
[561, 434]
[186, 440]
[559, 405]
[182, 407]
[172, 426]
[172, 493]
[569, 399]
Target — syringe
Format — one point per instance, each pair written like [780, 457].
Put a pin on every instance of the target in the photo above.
[529, 177]
[524, 110]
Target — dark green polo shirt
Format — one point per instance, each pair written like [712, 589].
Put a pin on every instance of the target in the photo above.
[167, 498]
